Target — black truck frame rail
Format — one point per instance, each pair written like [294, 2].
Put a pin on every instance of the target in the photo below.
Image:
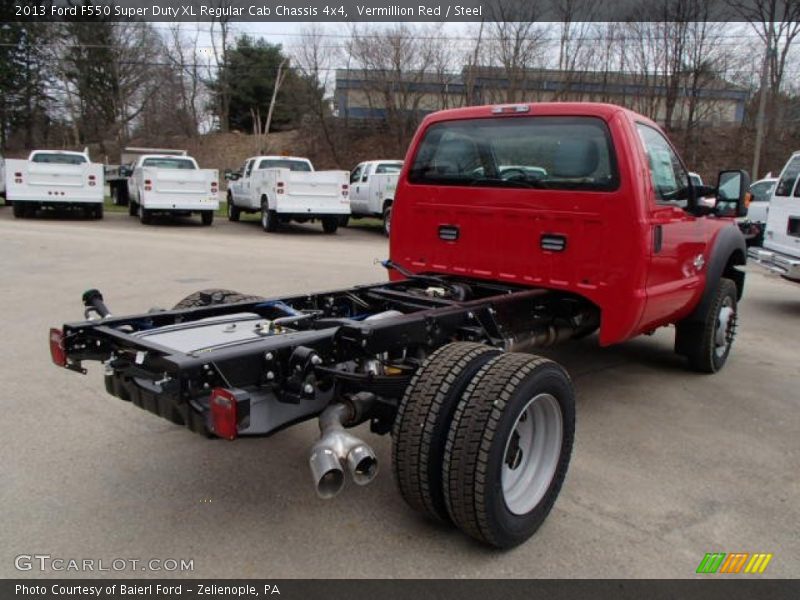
[318, 348]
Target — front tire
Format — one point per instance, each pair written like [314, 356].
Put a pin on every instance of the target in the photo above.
[708, 343]
[207, 217]
[330, 224]
[423, 419]
[213, 297]
[508, 448]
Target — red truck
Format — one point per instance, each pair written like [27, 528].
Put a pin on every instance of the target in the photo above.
[515, 227]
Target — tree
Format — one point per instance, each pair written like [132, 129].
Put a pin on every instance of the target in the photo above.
[249, 76]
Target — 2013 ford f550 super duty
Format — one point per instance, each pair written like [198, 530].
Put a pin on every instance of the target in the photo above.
[514, 228]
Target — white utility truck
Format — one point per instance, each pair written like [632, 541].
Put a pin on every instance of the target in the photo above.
[162, 183]
[54, 178]
[287, 188]
[372, 185]
[781, 251]
[117, 175]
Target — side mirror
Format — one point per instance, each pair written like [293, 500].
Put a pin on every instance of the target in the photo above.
[731, 195]
[230, 175]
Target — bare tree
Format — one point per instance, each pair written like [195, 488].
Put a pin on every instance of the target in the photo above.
[517, 43]
[220, 43]
[314, 60]
[182, 55]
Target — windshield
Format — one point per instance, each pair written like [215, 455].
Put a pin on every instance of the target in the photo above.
[292, 165]
[573, 153]
[169, 163]
[57, 158]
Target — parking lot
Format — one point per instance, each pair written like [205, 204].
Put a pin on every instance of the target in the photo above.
[668, 465]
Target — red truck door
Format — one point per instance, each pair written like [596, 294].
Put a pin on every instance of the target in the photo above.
[677, 244]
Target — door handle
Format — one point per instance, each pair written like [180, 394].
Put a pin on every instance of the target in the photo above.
[658, 238]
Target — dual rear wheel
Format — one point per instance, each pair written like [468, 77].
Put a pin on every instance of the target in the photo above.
[483, 440]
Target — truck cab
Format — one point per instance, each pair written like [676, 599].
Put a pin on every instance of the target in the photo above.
[600, 205]
[781, 251]
[372, 187]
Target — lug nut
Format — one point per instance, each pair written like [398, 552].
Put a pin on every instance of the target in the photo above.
[308, 389]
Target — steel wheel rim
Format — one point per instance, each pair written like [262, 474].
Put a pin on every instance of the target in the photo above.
[723, 332]
[531, 454]
[264, 218]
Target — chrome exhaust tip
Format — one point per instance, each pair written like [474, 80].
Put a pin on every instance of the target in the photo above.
[326, 472]
[363, 464]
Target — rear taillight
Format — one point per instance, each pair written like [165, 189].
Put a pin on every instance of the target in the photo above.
[92, 181]
[214, 187]
[17, 177]
[279, 185]
[223, 413]
[148, 185]
[345, 189]
[57, 351]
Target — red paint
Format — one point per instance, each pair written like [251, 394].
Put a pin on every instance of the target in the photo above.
[610, 256]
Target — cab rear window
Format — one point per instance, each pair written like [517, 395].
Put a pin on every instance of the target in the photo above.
[292, 165]
[561, 153]
[169, 163]
[56, 158]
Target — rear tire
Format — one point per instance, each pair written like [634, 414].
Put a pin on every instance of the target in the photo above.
[212, 297]
[133, 209]
[269, 218]
[387, 220]
[344, 221]
[207, 217]
[330, 224]
[708, 343]
[20, 211]
[145, 216]
[423, 419]
[508, 448]
[233, 211]
[97, 211]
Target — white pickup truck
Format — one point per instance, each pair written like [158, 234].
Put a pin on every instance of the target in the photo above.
[372, 185]
[54, 178]
[781, 251]
[286, 188]
[162, 183]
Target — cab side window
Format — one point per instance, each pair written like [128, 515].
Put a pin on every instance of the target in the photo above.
[789, 178]
[670, 178]
[249, 168]
[366, 173]
[356, 174]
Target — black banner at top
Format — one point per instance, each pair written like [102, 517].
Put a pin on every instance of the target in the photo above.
[377, 11]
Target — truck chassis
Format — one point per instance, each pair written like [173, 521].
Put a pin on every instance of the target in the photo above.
[350, 356]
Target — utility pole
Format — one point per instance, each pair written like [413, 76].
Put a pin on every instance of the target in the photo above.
[762, 101]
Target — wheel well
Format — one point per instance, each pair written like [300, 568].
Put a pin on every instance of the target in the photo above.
[736, 259]
[264, 199]
[387, 203]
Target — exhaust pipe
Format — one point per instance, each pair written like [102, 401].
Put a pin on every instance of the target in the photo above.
[337, 450]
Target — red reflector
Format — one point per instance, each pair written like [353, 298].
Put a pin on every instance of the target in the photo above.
[92, 177]
[17, 174]
[57, 351]
[223, 413]
[344, 186]
[147, 182]
[279, 184]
